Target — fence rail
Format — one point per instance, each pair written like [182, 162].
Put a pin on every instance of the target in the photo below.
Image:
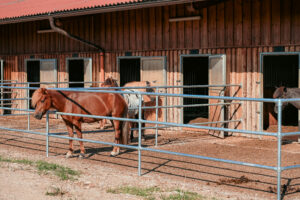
[160, 125]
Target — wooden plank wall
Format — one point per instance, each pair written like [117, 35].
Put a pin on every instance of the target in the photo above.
[243, 67]
[241, 29]
[232, 23]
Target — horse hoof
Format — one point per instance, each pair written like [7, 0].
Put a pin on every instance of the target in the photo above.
[81, 155]
[114, 153]
[69, 155]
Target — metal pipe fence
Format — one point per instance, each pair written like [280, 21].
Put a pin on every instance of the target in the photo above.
[156, 107]
[160, 124]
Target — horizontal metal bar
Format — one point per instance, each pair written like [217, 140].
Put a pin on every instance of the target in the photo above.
[17, 109]
[218, 122]
[98, 117]
[151, 127]
[290, 167]
[13, 99]
[8, 115]
[172, 124]
[290, 133]
[210, 158]
[140, 87]
[290, 100]
[211, 128]
[8, 104]
[146, 149]
[155, 94]
[192, 105]
[26, 83]
[70, 138]
[93, 141]
[22, 130]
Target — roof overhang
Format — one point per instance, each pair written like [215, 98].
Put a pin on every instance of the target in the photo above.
[90, 11]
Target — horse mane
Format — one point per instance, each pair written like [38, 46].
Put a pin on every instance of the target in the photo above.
[37, 95]
[110, 82]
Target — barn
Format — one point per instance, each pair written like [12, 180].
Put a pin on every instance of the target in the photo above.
[248, 46]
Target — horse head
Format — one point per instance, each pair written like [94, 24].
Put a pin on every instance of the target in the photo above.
[41, 101]
[280, 93]
[109, 82]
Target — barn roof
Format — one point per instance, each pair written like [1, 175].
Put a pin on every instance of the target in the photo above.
[12, 11]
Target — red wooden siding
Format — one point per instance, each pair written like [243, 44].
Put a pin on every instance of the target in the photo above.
[241, 29]
[232, 23]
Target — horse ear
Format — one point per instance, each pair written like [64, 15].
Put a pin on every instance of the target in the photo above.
[44, 91]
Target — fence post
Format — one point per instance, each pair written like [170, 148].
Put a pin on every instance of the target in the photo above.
[156, 117]
[279, 106]
[140, 133]
[28, 106]
[47, 133]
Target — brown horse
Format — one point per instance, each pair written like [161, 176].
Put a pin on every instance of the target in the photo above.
[109, 82]
[101, 104]
[287, 93]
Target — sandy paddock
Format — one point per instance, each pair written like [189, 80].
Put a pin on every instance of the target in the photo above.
[100, 171]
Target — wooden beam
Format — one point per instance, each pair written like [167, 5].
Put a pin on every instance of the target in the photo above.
[180, 19]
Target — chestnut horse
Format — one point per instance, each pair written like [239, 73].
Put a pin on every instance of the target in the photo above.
[89, 103]
[109, 82]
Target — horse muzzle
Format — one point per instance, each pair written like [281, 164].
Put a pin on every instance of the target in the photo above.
[38, 115]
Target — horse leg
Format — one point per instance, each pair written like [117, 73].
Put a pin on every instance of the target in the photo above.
[71, 134]
[132, 126]
[117, 126]
[79, 135]
[102, 123]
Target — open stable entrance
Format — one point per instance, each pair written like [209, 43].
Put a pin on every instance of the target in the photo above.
[5, 93]
[130, 70]
[195, 72]
[41, 70]
[279, 70]
[80, 72]
[152, 69]
[206, 70]
[76, 73]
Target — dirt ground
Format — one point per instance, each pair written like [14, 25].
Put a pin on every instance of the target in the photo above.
[101, 172]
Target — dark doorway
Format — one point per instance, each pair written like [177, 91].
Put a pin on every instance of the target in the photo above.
[76, 73]
[279, 70]
[195, 72]
[130, 70]
[33, 75]
[5, 92]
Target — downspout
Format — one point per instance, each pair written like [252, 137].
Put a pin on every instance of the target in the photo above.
[74, 37]
[102, 75]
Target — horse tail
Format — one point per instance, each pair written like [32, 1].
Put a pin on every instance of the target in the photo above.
[125, 127]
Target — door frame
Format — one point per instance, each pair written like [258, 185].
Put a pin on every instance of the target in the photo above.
[261, 90]
[119, 67]
[2, 69]
[40, 59]
[25, 67]
[182, 56]
[140, 57]
[78, 58]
